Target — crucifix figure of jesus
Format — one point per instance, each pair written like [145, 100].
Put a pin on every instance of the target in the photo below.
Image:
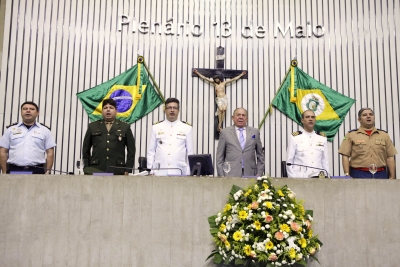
[219, 74]
[222, 100]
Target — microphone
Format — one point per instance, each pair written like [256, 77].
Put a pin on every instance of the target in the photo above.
[292, 164]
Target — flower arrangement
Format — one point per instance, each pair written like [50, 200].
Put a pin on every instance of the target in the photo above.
[263, 226]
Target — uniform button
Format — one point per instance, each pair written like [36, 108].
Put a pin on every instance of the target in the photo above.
[107, 157]
[170, 135]
[169, 154]
[108, 149]
[108, 141]
[168, 164]
[108, 134]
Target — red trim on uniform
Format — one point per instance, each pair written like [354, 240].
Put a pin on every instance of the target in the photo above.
[367, 169]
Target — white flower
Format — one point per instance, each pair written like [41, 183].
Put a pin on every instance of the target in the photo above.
[274, 248]
[284, 205]
[278, 251]
[269, 235]
[262, 228]
[284, 217]
[267, 226]
[284, 262]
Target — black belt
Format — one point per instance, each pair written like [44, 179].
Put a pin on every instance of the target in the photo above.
[37, 169]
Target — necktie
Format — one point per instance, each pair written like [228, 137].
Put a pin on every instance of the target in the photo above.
[241, 138]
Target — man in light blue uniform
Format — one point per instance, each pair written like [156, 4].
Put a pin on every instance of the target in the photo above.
[27, 145]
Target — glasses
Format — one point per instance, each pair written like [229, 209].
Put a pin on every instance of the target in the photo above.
[174, 108]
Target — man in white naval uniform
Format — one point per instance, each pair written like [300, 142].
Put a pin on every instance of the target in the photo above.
[170, 144]
[308, 148]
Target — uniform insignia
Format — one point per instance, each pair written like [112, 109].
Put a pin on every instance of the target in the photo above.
[185, 122]
[45, 126]
[157, 122]
[12, 124]
[321, 134]
[297, 133]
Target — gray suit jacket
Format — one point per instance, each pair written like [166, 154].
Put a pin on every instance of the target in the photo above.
[229, 149]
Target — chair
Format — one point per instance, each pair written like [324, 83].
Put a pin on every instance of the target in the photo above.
[283, 169]
[142, 164]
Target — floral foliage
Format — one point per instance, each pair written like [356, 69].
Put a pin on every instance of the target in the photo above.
[263, 226]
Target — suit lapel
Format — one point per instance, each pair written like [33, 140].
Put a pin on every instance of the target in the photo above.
[248, 136]
[234, 136]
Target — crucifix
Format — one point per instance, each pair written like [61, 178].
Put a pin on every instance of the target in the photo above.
[218, 75]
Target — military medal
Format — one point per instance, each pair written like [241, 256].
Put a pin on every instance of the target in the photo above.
[119, 138]
[160, 142]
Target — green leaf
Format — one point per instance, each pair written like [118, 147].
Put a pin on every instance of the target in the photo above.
[234, 189]
[310, 212]
[213, 231]
[217, 259]
[215, 251]
[240, 262]
[314, 258]
[302, 262]
[211, 221]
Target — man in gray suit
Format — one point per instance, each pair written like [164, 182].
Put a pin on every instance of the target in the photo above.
[240, 145]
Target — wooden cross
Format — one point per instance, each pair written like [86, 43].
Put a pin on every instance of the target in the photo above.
[220, 71]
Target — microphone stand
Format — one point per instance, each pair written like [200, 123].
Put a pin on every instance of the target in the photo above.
[68, 173]
[292, 164]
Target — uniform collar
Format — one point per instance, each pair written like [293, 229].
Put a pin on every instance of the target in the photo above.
[169, 123]
[35, 124]
[362, 130]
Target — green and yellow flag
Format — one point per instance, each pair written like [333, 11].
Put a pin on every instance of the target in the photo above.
[300, 92]
[132, 90]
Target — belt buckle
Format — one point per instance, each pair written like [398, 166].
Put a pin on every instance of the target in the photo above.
[26, 167]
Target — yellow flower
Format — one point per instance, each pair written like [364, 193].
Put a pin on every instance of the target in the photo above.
[269, 245]
[310, 233]
[247, 250]
[257, 225]
[301, 209]
[247, 193]
[227, 245]
[227, 207]
[256, 187]
[237, 235]
[265, 185]
[280, 193]
[268, 205]
[303, 242]
[222, 227]
[292, 253]
[285, 227]
[242, 215]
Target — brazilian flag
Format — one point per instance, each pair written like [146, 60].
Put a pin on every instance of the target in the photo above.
[300, 92]
[132, 90]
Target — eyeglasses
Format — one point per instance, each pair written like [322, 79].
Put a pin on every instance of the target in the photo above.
[174, 108]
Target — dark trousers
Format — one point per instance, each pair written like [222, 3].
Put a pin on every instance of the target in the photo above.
[367, 175]
[37, 169]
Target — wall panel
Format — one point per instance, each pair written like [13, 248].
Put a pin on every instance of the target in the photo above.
[54, 49]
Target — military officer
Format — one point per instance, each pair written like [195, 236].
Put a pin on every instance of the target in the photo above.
[27, 145]
[171, 142]
[365, 146]
[307, 148]
[108, 137]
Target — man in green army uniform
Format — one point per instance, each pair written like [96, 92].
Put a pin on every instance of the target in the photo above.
[108, 137]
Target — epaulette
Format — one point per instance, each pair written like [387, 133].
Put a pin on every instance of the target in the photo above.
[382, 130]
[185, 122]
[157, 122]
[45, 126]
[297, 133]
[321, 134]
[354, 130]
[12, 124]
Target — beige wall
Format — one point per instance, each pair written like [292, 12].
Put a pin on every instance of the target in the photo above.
[162, 221]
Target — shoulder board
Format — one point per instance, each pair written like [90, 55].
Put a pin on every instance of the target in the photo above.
[157, 122]
[45, 126]
[321, 134]
[382, 130]
[297, 133]
[12, 124]
[354, 130]
[185, 122]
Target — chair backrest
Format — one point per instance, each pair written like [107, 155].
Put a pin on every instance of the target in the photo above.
[142, 163]
[283, 169]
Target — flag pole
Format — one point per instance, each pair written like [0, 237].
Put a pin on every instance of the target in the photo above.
[270, 106]
[141, 60]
